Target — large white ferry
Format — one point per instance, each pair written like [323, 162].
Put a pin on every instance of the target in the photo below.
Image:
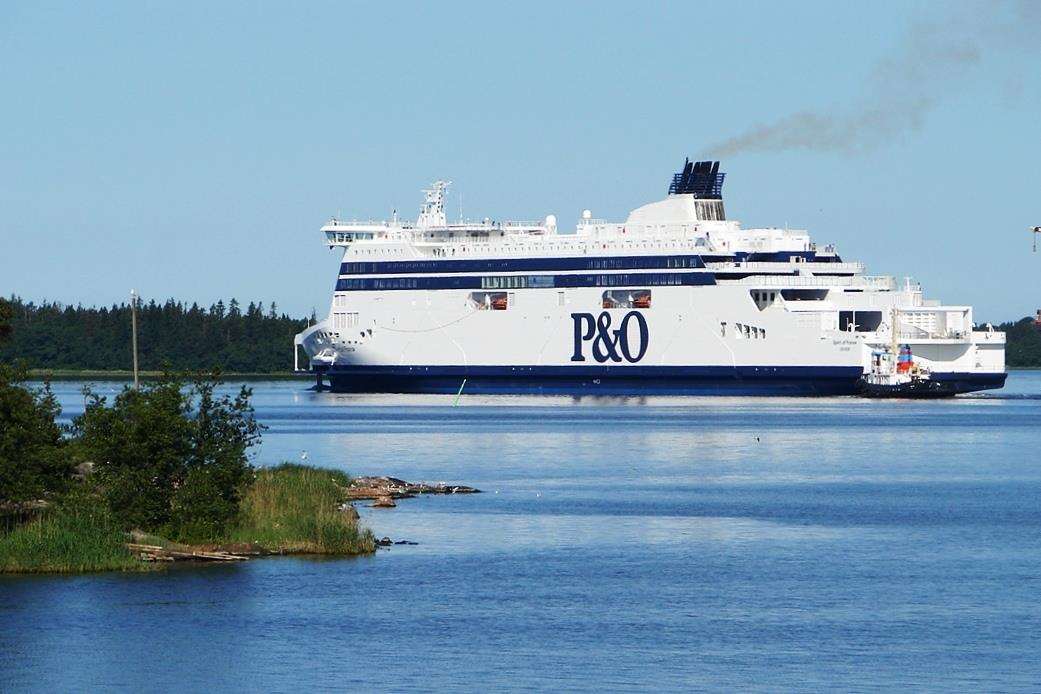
[677, 299]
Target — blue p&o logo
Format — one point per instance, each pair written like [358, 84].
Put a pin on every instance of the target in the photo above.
[610, 345]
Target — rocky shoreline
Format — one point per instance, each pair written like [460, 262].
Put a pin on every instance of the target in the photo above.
[384, 491]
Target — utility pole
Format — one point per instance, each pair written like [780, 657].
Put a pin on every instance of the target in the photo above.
[1035, 231]
[133, 331]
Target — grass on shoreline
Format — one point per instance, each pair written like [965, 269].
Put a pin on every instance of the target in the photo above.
[79, 536]
[298, 509]
[289, 509]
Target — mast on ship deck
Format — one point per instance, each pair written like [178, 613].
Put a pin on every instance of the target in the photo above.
[432, 213]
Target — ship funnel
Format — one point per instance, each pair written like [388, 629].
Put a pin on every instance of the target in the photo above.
[700, 179]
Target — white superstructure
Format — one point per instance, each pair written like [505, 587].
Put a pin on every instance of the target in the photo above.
[675, 299]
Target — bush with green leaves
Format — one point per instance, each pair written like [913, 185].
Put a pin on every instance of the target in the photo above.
[172, 457]
[34, 462]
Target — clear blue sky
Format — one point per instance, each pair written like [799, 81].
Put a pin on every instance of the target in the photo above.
[192, 150]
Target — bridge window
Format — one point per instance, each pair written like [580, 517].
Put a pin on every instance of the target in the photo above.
[627, 298]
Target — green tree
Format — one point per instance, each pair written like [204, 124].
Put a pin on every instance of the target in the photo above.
[224, 430]
[33, 458]
[6, 315]
[172, 457]
[1023, 343]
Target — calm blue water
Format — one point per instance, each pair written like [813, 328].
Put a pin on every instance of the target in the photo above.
[621, 544]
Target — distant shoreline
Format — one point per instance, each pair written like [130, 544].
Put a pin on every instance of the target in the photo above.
[119, 375]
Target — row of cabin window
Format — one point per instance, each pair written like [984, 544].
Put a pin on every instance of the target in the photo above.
[342, 321]
[518, 282]
[626, 263]
[743, 332]
[354, 236]
[514, 282]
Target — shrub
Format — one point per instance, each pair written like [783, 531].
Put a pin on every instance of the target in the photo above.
[33, 459]
[172, 457]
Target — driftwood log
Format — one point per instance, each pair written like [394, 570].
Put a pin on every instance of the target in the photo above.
[157, 553]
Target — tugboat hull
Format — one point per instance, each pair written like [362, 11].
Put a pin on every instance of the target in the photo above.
[935, 386]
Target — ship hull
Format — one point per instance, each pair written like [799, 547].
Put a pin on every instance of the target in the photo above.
[597, 380]
[629, 381]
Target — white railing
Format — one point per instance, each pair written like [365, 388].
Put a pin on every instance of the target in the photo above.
[853, 267]
[877, 282]
[793, 281]
[913, 335]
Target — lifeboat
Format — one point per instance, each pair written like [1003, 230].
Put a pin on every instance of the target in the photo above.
[642, 301]
[499, 304]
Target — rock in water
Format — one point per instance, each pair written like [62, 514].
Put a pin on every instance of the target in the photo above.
[384, 502]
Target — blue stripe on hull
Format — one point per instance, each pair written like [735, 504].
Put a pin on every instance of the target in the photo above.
[649, 279]
[598, 380]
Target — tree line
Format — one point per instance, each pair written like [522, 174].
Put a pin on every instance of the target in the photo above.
[171, 336]
[1022, 342]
